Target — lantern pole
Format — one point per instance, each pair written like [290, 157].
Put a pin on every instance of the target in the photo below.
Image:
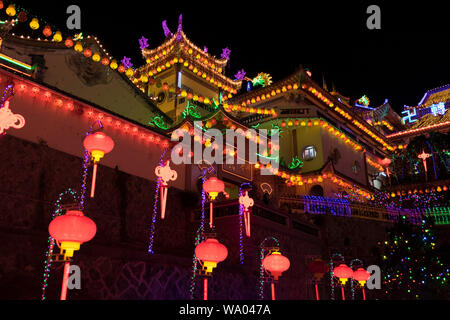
[94, 177]
[364, 293]
[342, 291]
[272, 286]
[205, 288]
[211, 214]
[317, 291]
[65, 280]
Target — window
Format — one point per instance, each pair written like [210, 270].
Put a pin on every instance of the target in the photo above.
[309, 153]
[356, 167]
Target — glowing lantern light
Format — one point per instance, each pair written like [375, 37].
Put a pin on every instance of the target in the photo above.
[70, 231]
[87, 53]
[318, 268]
[34, 24]
[47, 31]
[97, 144]
[11, 10]
[247, 203]
[129, 72]
[78, 47]
[275, 263]
[57, 37]
[210, 252]
[165, 174]
[213, 187]
[361, 275]
[113, 65]
[343, 273]
[96, 57]
[69, 42]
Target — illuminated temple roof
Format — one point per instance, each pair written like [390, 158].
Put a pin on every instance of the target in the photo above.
[178, 49]
[434, 96]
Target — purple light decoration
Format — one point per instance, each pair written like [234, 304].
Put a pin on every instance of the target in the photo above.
[126, 62]
[155, 208]
[358, 263]
[84, 179]
[143, 43]
[51, 242]
[225, 53]
[180, 27]
[205, 49]
[167, 32]
[262, 248]
[240, 75]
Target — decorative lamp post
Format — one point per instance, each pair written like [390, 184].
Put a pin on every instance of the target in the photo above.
[213, 187]
[70, 231]
[275, 263]
[165, 174]
[210, 252]
[98, 144]
[361, 275]
[343, 273]
[247, 203]
[318, 268]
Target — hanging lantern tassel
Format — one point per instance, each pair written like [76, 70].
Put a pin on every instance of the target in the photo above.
[247, 203]
[165, 174]
[98, 144]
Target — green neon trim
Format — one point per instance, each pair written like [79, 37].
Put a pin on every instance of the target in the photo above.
[256, 126]
[191, 110]
[296, 163]
[16, 62]
[159, 122]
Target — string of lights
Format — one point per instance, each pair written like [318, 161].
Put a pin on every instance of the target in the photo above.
[51, 242]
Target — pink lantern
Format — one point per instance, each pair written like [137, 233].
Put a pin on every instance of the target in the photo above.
[210, 252]
[165, 174]
[275, 263]
[70, 231]
[424, 156]
[98, 144]
[361, 275]
[247, 203]
[213, 187]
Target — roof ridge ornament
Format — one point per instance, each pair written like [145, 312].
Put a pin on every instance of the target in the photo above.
[180, 27]
[167, 32]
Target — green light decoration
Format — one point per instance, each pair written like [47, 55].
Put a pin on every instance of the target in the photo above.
[275, 127]
[262, 79]
[296, 163]
[159, 122]
[215, 105]
[256, 126]
[191, 110]
[364, 100]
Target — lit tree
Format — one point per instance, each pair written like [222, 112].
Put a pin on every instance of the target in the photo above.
[411, 266]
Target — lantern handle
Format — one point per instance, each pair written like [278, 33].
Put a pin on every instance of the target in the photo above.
[92, 130]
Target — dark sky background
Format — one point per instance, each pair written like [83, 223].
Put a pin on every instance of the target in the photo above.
[408, 56]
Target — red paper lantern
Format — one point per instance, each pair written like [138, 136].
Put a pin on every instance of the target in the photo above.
[343, 272]
[213, 187]
[165, 86]
[105, 61]
[318, 268]
[69, 42]
[47, 31]
[87, 52]
[71, 230]
[211, 252]
[98, 144]
[276, 264]
[121, 68]
[361, 275]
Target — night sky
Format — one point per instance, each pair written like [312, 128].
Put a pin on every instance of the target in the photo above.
[408, 56]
